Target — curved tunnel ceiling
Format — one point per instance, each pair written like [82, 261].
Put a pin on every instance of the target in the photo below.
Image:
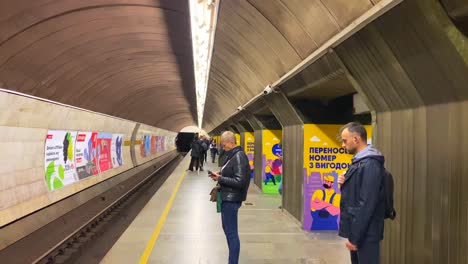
[257, 42]
[131, 59]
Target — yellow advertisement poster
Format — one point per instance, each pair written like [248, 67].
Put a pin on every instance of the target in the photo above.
[216, 140]
[272, 161]
[238, 139]
[249, 146]
[324, 161]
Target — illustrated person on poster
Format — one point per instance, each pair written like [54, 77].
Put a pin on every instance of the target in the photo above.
[325, 205]
[269, 173]
[277, 164]
[277, 169]
[251, 164]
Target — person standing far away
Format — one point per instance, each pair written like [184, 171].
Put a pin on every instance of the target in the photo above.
[206, 140]
[234, 180]
[213, 150]
[201, 142]
[362, 197]
[195, 154]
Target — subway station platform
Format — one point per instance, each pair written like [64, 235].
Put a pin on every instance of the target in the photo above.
[180, 225]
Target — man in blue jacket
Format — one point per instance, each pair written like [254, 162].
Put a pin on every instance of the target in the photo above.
[362, 197]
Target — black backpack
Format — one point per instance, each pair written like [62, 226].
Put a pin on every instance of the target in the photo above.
[390, 212]
[204, 146]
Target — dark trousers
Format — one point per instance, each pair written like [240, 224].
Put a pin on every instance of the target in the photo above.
[229, 213]
[204, 155]
[368, 253]
[202, 159]
[194, 161]
[213, 156]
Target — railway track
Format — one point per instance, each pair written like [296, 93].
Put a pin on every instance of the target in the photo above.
[105, 226]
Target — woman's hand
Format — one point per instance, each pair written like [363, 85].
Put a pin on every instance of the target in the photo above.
[215, 176]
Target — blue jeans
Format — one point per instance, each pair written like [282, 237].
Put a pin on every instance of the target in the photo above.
[229, 213]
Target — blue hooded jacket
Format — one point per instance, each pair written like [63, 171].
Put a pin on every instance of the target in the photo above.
[363, 198]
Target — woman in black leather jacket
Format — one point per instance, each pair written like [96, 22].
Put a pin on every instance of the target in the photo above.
[234, 180]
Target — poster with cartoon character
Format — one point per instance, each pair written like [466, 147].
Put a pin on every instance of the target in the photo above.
[59, 162]
[272, 161]
[249, 146]
[324, 161]
[117, 159]
[86, 154]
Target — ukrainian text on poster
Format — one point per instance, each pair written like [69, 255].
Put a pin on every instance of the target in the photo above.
[59, 159]
[324, 161]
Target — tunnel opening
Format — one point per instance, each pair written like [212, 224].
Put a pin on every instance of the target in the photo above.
[184, 139]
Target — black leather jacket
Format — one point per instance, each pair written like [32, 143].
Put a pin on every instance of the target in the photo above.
[235, 176]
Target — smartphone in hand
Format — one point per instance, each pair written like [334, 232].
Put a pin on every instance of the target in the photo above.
[209, 172]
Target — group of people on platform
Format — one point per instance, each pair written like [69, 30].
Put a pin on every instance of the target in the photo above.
[200, 147]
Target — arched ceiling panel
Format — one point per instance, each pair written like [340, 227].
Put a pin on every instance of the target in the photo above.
[257, 42]
[131, 59]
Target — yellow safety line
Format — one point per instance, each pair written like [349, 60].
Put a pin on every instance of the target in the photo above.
[154, 237]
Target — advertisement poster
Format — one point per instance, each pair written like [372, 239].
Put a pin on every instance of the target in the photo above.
[145, 146]
[153, 145]
[216, 139]
[142, 146]
[238, 139]
[163, 143]
[272, 161]
[324, 161]
[86, 154]
[104, 143]
[249, 146]
[159, 144]
[116, 150]
[60, 169]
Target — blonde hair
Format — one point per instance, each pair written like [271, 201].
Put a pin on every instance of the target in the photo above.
[228, 137]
